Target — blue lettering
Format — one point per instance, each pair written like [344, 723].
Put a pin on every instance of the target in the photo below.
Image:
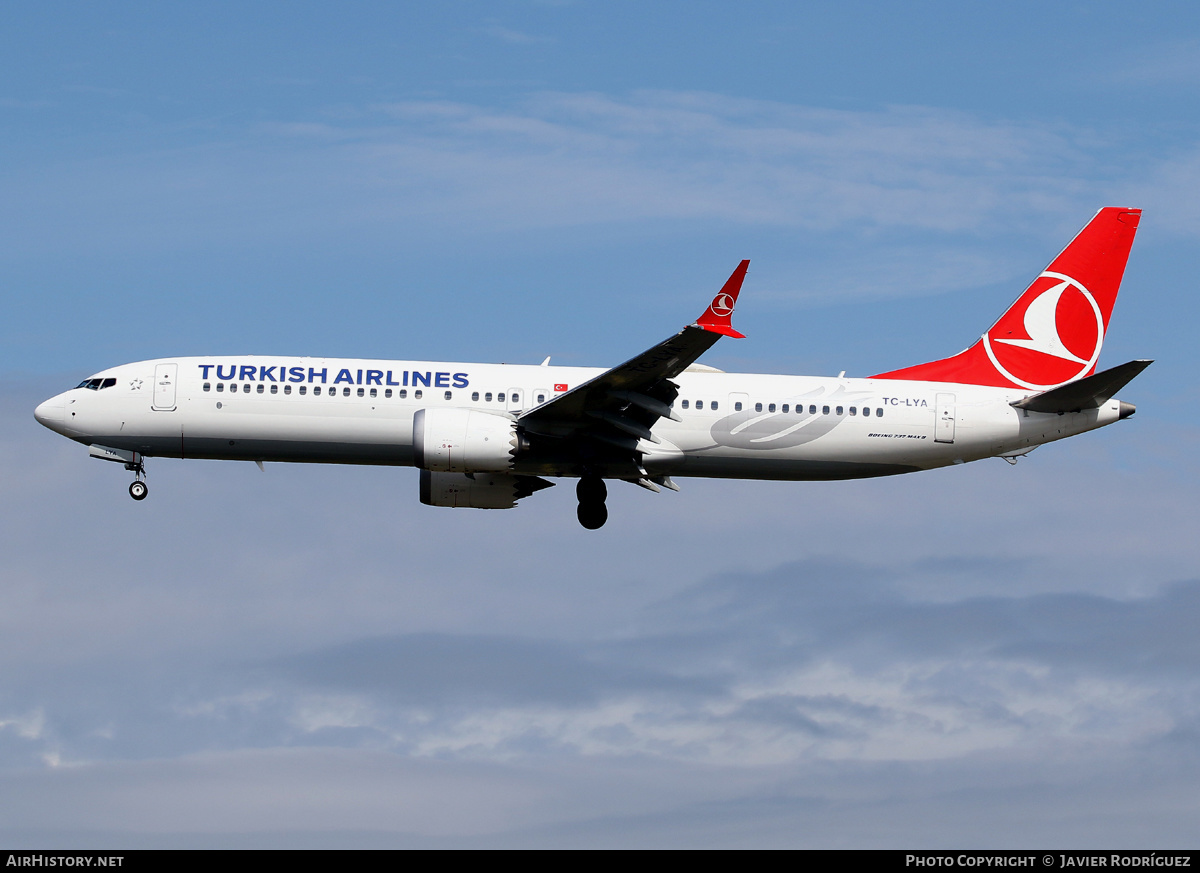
[267, 374]
[296, 374]
[232, 371]
[406, 377]
[389, 379]
[441, 380]
[322, 373]
[420, 378]
[204, 368]
[344, 376]
[374, 377]
[460, 380]
[248, 372]
[359, 382]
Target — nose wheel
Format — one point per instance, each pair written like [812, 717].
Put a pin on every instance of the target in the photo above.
[137, 488]
[592, 493]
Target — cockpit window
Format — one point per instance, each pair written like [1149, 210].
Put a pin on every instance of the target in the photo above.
[97, 384]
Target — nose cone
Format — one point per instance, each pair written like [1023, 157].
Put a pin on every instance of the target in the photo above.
[52, 413]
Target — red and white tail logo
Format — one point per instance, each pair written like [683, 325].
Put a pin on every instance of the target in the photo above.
[1053, 333]
[717, 317]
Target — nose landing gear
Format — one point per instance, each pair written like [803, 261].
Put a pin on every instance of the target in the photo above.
[137, 488]
[592, 493]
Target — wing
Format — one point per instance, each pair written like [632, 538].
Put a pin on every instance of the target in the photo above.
[600, 422]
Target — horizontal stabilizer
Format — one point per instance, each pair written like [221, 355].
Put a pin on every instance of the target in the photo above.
[1091, 392]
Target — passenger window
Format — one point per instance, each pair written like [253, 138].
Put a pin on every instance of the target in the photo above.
[488, 397]
[684, 404]
[417, 394]
[449, 395]
[402, 393]
[500, 396]
[387, 392]
[361, 391]
[712, 405]
[207, 386]
[879, 413]
[854, 410]
[839, 411]
[541, 398]
[737, 407]
[316, 390]
[287, 389]
[220, 386]
[784, 408]
[274, 389]
[866, 410]
[475, 395]
[812, 410]
[825, 410]
[516, 398]
[260, 388]
[771, 407]
[699, 404]
[374, 392]
[758, 407]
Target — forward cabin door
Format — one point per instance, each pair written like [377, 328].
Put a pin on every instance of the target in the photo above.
[165, 376]
[943, 428]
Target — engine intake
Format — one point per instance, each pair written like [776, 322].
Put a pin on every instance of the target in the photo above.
[464, 441]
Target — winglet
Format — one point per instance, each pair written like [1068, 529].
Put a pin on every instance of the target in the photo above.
[717, 317]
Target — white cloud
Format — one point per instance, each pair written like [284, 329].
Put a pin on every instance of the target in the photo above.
[555, 160]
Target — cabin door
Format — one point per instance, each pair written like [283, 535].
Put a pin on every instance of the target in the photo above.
[943, 428]
[164, 386]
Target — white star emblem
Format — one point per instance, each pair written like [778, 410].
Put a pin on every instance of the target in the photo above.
[135, 384]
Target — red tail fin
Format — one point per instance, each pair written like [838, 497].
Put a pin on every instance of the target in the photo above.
[1053, 333]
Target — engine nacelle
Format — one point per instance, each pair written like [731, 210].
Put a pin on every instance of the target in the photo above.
[477, 490]
[464, 441]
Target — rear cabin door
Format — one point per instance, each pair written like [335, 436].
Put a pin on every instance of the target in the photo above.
[165, 376]
[943, 428]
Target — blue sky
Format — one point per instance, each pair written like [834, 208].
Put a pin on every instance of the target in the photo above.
[986, 655]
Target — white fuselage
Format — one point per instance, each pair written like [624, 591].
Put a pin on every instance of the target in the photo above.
[732, 425]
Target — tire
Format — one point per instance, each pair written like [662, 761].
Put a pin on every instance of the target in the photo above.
[592, 515]
[591, 489]
[138, 490]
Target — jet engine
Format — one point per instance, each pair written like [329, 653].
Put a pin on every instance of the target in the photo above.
[464, 441]
[478, 490]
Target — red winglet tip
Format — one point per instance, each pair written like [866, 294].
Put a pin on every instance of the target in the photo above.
[717, 317]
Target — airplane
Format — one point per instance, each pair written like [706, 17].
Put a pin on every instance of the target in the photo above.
[488, 435]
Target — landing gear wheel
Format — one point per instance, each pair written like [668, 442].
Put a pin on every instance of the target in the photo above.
[591, 489]
[592, 492]
[592, 515]
[138, 490]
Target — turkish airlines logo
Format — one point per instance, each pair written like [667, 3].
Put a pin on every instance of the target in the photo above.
[1052, 336]
[722, 305]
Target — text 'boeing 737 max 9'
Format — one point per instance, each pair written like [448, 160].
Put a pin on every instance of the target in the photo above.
[488, 435]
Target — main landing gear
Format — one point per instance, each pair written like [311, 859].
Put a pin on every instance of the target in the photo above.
[137, 488]
[592, 492]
